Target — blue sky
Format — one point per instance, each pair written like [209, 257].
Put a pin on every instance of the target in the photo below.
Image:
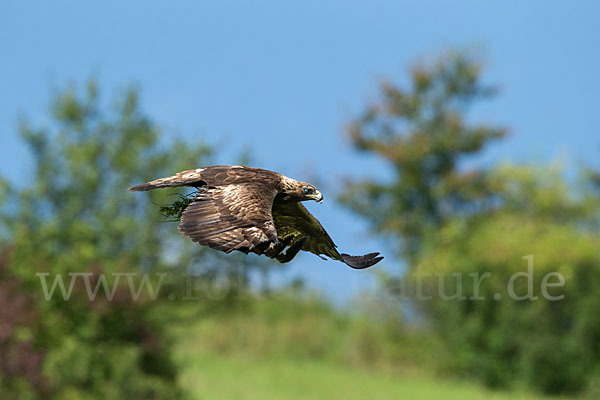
[282, 78]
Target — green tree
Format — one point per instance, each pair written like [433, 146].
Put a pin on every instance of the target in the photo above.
[75, 215]
[424, 135]
[454, 220]
[548, 341]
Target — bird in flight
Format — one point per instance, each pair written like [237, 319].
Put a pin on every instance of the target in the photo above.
[254, 210]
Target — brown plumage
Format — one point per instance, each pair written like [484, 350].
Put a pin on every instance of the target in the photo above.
[254, 210]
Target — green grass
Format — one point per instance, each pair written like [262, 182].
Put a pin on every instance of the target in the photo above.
[287, 350]
[210, 376]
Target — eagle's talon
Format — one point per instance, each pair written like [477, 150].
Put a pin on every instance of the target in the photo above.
[291, 252]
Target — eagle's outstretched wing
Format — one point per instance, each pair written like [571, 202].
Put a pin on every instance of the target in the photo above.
[301, 230]
[232, 209]
[232, 217]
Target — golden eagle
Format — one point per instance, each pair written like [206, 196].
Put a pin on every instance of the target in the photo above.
[254, 210]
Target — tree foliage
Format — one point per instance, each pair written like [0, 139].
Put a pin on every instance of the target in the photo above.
[454, 219]
[73, 214]
[425, 136]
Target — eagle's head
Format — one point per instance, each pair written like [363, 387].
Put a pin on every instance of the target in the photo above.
[309, 192]
[300, 191]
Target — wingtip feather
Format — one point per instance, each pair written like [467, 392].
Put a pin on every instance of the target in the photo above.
[140, 188]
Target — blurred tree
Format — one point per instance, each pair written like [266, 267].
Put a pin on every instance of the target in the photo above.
[550, 341]
[453, 221]
[425, 135]
[76, 199]
[74, 214]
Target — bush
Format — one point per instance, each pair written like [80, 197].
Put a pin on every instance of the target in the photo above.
[80, 348]
[551, 345]
[74, 215]
[21, 359]
[290, 325]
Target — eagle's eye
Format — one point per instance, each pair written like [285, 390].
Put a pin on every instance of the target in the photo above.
[308, 190]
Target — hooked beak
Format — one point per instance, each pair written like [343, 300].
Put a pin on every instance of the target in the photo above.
[317, 196]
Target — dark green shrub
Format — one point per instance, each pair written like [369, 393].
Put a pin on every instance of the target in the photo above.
[551, 345]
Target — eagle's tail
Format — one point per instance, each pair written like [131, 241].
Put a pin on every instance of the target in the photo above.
[192, 177]
[360, 262]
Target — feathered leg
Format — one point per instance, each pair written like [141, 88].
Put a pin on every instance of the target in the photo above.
[291, 252]
[274, 250]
